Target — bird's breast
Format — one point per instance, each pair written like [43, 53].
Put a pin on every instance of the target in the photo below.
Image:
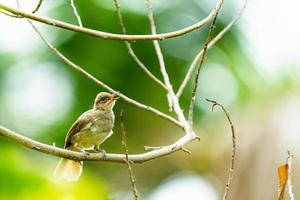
[95, 132]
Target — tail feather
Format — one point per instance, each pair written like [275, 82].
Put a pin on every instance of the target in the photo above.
[69, 170]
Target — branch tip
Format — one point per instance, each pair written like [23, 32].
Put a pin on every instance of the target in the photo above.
[232, 161]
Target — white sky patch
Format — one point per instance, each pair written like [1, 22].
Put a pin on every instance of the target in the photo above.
[272, 30]
[36, 95]
[16, 35]
[191, 187]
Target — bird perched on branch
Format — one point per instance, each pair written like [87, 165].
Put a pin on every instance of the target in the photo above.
[89, 131]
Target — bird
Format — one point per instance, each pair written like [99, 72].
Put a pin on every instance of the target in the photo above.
[88, 132]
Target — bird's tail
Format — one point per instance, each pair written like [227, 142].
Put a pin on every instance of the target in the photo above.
[67, 169]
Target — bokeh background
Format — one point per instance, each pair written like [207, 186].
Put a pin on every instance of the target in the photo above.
[253, 71]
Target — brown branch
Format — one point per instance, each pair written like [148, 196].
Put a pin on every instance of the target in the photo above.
[208, 38]
[37, 6]
[127, 161]
[130, 50]
[232, 161]
[105, 35]
[210, 44]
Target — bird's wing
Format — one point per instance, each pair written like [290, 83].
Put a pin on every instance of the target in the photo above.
[80, 124]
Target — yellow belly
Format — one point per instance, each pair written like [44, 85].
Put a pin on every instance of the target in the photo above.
[89, 139]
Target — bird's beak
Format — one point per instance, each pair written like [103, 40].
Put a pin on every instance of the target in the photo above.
[115, 97]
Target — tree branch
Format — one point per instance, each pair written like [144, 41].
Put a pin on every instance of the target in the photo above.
[110, 36]
[159, 54]
[210, 44]
[232, 161]
[124, 144]
[130, 50]
[193, 99]
[51, 150]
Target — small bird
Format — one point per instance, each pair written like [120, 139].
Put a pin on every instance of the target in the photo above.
[89, 131]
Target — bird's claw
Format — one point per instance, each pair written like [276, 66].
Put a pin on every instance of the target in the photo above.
[103, 152]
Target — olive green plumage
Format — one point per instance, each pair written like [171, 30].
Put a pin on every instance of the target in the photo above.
[89, 131]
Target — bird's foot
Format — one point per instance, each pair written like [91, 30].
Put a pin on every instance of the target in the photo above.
[98, 150]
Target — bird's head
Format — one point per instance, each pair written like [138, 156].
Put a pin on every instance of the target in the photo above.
[105, 101]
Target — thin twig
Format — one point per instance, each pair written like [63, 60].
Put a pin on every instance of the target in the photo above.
[124, 144]
[232, 161]
[76, 13]
[159, 54]
[106, 35]
[194, 91]
[37, 6]
[130, 50]
[211, 43]
[289, 181]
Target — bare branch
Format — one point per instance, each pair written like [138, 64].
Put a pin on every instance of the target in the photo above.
[105, 35]
[76, 13]
[159, 54]
[289, 181]
[194, 91]
[37, 6]
[88, 75]
[232, 161]
[60, 152]
[124, 143]
[130, 50]
[210, 44]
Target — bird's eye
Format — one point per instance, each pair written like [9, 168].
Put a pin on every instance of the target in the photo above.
[104, 99]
